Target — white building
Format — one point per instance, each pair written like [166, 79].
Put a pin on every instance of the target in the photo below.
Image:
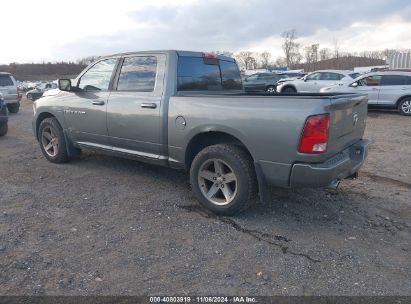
[400, 60]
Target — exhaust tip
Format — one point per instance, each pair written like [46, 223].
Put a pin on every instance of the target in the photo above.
[334, 184]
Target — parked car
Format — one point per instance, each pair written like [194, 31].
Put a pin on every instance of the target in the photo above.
[3, 117]
[187, 110]
[8, 88]
[384, 89]
[262, 82]
[38, 92]
[315, 81]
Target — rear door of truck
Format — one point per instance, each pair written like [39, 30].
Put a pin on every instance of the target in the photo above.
[133, 109]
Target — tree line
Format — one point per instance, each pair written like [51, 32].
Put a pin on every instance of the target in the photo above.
[296, 56]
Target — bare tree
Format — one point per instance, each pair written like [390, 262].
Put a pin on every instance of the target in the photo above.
[291, 47]
[336, 48]
[280, 62]
[250, 63]
[246, 60]
[325, 54]
[265, 59]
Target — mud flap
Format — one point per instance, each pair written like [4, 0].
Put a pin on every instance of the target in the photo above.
[71, 150]
[263, 192]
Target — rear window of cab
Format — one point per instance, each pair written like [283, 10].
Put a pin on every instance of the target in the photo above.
[202, 74]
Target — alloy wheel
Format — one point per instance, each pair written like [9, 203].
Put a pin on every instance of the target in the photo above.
[217, 181]
[406, 107]
[49, 141]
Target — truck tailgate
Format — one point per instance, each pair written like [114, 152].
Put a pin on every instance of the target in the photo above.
[348, 116]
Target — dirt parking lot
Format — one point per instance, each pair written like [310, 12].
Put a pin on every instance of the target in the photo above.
[103, 225]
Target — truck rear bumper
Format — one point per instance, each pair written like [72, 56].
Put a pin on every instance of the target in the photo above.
[341, 166]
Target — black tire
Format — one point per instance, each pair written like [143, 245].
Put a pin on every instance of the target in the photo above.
[52, 124]
[240, 163]
[3, 129]
[13, 108]
[270, 89]
[289, 90]
[404, 106]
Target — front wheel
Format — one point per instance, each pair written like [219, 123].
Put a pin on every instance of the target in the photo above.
[223, 179]
[52, 141]
[405, 107]
[3, 129]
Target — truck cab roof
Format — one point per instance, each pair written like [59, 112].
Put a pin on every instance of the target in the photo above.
[180, 53]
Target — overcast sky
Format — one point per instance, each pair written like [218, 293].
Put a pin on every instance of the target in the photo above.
[67, 30]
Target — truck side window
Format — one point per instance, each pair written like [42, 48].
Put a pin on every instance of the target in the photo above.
[230, 75]
[97, 78]
[138, 74]
[193, 74]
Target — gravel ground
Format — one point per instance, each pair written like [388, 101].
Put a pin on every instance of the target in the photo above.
[100, 225]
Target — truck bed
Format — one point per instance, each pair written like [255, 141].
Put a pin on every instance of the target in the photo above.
[269, 126]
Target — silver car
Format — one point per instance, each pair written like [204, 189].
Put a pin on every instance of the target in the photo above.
[8, 88]
[315, 81]
[384, 89]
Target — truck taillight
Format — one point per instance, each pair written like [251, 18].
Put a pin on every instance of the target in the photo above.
[314, 138]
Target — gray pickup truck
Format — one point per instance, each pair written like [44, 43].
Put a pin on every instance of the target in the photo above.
[188, 110]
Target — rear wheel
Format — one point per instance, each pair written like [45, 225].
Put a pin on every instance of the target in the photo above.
[52, 141]
[223, 179]
[405, 106]
[3, 129]
[289, 90]
[13, 108]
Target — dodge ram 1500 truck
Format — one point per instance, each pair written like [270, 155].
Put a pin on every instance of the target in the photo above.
[188, 110]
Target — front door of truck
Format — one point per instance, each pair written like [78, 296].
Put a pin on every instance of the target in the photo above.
[133, 109]
[85, 109]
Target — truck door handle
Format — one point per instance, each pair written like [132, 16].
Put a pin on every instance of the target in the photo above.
[98, 102]
[149, 105]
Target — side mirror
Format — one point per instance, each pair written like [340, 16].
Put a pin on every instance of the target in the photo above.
[354, 84]
[65, 85]
[245, 79]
